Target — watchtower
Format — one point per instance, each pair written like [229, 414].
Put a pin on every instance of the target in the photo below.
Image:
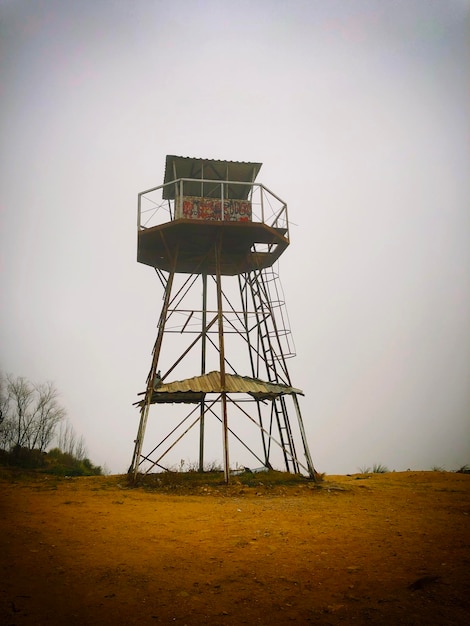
[213, 235]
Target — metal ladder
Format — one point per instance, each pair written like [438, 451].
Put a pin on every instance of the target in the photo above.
[268, 349]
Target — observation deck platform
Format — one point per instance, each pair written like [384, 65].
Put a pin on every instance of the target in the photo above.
[192, 247]
[210, 216]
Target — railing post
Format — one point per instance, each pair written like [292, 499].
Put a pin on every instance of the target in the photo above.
[261, 190]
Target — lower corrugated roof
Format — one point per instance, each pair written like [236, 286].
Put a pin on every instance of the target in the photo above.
[194, 389]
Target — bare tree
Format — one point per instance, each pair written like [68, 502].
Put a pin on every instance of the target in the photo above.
[48, 414]
[29, 413]
[20, 392]
[5, 425]
[68, 442]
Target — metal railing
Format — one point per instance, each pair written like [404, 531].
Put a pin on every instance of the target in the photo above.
[164, 203]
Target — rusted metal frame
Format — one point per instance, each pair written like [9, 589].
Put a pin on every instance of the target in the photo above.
[234, 434]
[179, 199]
[188, 349]
[280, 359]
[183, 292]
[218, 254]
[243, 288]
[229, 323]
[275, 417]
[279, 412]
[235, 331]
[238, 314]
[153, 209]
[165, 469]
[165, 245]
[178, 183]
[203, 369]
[222, 211]
[288, 429]
[263, 437]
[311, 469]
[139, 210]
[264, 339]
[278, 216]
[213, 181]
[176, 186]
[201, 261]
[242, 318]
[243, 443]
[255, 325]
[173, 444]
[244, 302]
[207, 336]
[252, 349]
[240, 266]
[149, 214]
[187, 285]
[262, 203]
[161, 277]
[269, 318]
[273, 439]
[147, 457]
[177, 440]
[172, 432]
[171, 213]
[216, 347]
[191, 313]
[153, 370]
[144, 193]
[283, 209]
[256, 350]
[273, 284]
[271, 423]
[161, 329]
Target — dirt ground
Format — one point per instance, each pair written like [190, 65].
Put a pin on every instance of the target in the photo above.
[388, 549]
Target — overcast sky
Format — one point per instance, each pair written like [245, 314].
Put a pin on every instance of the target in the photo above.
[359, 112]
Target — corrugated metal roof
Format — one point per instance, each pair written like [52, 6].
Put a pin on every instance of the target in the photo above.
[210, 383]
[177, 167]
[194, 389]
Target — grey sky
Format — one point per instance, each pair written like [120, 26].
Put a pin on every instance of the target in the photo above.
[359, 112]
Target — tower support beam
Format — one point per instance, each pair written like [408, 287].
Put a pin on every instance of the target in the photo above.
[151, 378]
[222, 363]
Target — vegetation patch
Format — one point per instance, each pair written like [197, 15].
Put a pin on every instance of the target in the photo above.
[210, 482]
[54, 462]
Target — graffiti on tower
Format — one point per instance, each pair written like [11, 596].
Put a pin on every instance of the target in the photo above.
[198, 208]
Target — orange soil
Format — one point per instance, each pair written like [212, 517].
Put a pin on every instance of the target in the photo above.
[392, 549]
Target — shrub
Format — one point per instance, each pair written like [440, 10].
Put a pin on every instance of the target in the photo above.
[378, 468]
[53, 462]
[65, 464]
[25, 457]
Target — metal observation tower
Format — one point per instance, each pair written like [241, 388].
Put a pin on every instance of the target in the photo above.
[219, 363]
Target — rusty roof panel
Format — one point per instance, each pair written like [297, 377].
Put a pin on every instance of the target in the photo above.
[194, 389]
[177, 167]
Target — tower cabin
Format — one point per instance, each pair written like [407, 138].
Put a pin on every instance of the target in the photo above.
[210, 217]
